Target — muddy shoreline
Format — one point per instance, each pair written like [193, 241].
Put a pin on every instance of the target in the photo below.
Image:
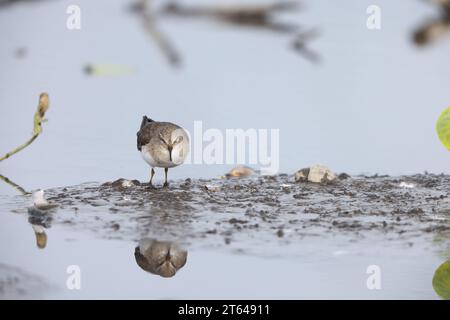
[257, 210]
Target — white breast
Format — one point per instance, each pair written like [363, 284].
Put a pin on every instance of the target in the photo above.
[158, 162]
[148, 157]
[161, 159]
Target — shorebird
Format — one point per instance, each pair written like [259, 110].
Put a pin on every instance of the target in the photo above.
[162, 144]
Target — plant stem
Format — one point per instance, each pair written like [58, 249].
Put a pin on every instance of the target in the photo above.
[37, 129]
[14, 185]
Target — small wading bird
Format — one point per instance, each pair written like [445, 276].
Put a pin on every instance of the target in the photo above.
[435, 28]
[162, 144]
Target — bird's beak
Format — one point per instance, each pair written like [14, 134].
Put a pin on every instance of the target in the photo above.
[170, 153]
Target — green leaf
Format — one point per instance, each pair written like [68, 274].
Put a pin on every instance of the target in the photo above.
[443, 128]
[441, 280]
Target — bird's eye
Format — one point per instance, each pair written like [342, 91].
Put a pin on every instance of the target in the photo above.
[178, 139]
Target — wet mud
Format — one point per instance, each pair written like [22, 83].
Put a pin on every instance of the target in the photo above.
[257, 210]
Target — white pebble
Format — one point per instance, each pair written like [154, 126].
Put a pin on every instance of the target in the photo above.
[407, 185]
[127, 184]
[212, 188]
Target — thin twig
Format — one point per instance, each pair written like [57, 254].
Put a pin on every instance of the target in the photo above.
[14, 185]
[300, 45]
[257, 15]
[37, 128]
[160, 39]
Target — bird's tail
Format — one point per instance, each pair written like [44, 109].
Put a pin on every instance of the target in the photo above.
[145, 120]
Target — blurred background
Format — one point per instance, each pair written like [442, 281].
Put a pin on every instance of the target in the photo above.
[368, 105]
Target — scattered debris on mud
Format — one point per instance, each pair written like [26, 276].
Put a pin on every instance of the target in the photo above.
[258, 209]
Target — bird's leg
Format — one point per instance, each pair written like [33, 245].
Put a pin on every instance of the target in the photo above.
[166, 184]
[152, 173]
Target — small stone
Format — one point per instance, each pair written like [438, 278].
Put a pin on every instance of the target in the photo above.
[127, 184]
[212, 188]
[320, 174]
[280, 233]
[240, 172]
[236, 221]
[315, 174]
[406, 185]
[286, 188]
[344, 176]
[302, 175]
[124, 183]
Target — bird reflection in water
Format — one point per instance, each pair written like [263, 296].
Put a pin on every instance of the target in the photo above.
[40, 217]
[162, 258]
[39, 221]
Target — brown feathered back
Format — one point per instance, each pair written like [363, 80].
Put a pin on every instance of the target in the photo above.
[143, 138]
